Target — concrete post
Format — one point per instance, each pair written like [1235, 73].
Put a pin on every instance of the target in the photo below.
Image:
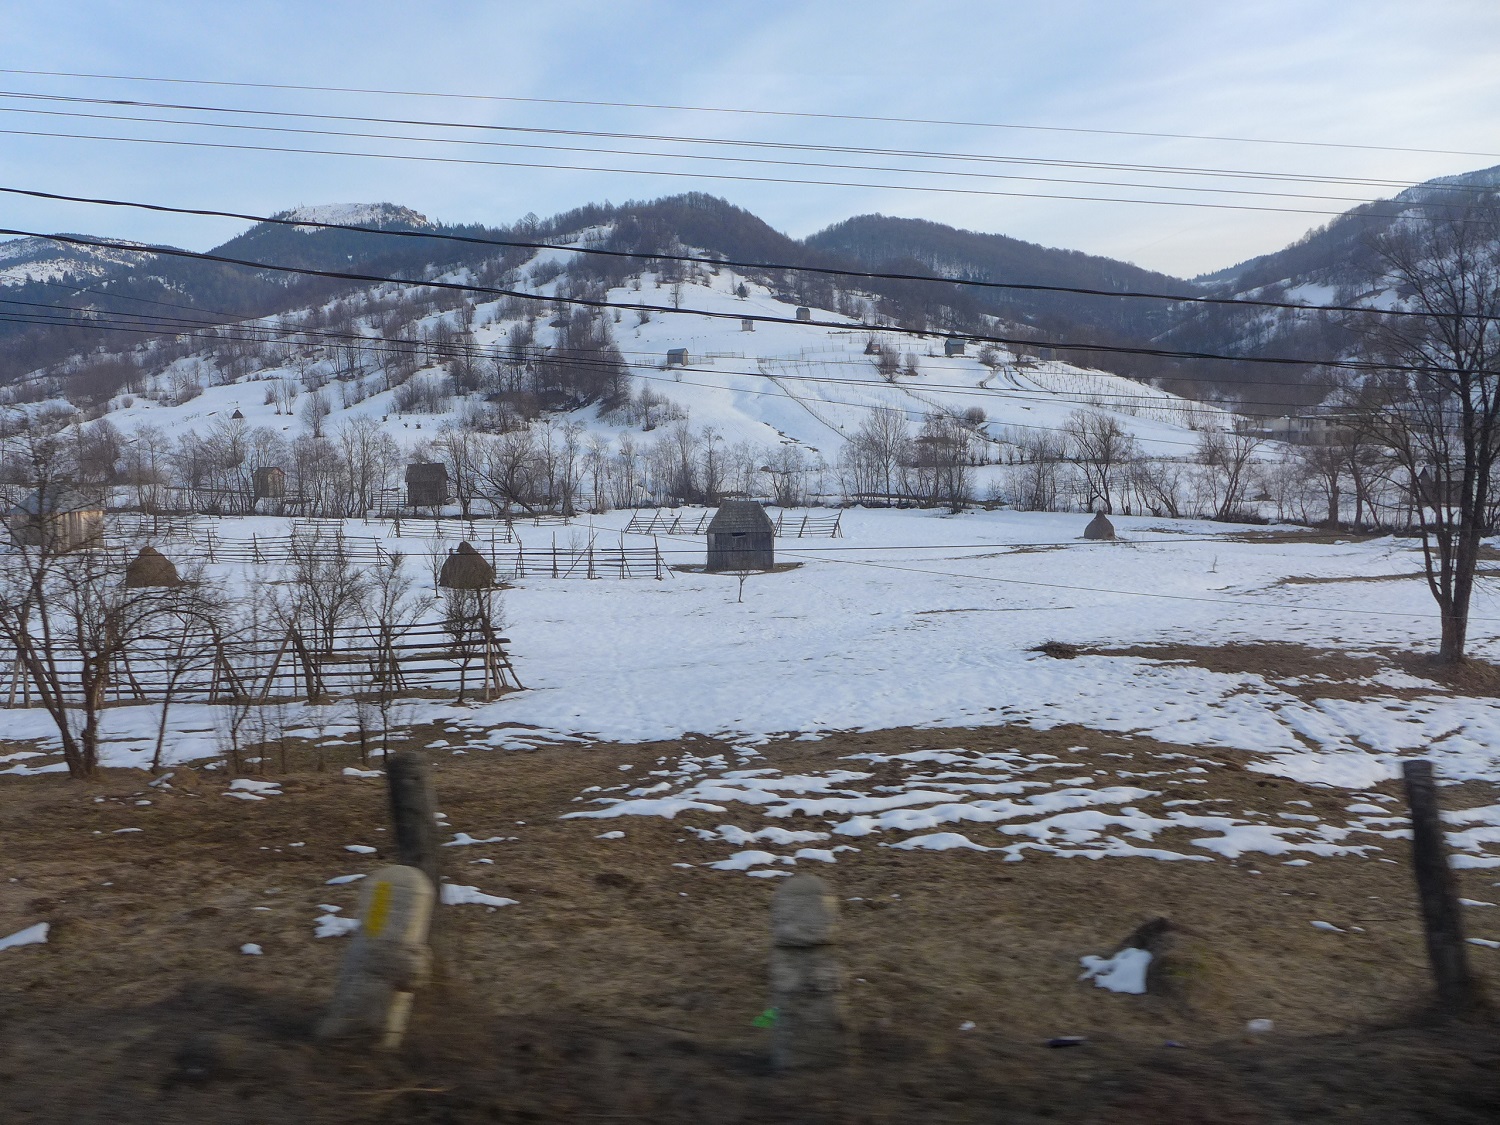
[809, 1028]
[387, 962]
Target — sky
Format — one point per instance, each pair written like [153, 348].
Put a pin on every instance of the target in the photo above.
[1351, 81]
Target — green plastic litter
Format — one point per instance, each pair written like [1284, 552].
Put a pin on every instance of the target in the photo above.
[766, 1018]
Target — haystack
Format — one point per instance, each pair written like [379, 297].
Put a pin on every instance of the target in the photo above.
[1099, 527]
[151, 568]
[466, 569]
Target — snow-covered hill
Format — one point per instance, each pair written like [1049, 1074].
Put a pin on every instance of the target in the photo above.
[743, 380]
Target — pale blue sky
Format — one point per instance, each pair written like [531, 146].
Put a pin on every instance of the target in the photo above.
[1339, 71]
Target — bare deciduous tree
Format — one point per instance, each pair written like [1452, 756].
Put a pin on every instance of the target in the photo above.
[1439, 404]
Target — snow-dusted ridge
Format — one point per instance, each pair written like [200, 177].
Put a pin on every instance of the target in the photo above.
[356, 215]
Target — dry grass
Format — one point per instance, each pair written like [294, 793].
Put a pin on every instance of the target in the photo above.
[623, 988]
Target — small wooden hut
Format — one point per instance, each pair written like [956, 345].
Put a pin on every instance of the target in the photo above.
[268, 483]
[804, 313]
[1099, 527]
[953, 347]
[151, 568]
[466, 569]
[746, 324]
[427, 485]
[677, 357]
[63, 520]
[741, 537]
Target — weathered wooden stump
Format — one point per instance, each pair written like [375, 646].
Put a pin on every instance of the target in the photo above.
[809, 1028]
[388, 961]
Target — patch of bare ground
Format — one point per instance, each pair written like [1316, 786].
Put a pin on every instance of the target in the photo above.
[1348, 579]
[623, 987]
[1304, 535]
[1311, 673]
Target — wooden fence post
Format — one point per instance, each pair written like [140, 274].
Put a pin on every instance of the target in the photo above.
[387, 962]
[1442, 916]
[412, 812]
[807, 1031]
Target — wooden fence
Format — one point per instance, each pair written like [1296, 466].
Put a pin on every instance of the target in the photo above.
[790, 525]
[669, 523]
[590, 561]
[422, 658]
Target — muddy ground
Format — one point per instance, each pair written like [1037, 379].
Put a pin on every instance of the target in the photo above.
[622, 988]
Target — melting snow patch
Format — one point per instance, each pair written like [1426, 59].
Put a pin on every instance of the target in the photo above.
[339, 880]
[329, 924]
[456, 895]
[250, 949]
[1124, 972]
[31, 935]
[463, 840]
[1327, 927]
[248, 789]
[361, 849]
[350, 771]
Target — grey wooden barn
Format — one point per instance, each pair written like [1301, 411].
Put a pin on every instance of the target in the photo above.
[953, 347]
[741, 537]
[677, 357]
[804, 313]
[268, 482]
[426, 485]
[63, 520]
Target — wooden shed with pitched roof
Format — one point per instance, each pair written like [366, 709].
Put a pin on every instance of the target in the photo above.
[61, 519]
[427, 485]
[741, 537]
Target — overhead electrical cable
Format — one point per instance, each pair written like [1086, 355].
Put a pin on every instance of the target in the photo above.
[912, 154]
[674, 174]
[286, 220]
[586, 302]
[801, 114]
[257, 333]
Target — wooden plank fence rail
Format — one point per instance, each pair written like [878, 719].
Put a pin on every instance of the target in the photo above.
[590, 561]
[669, 522]
[424, 657]
[805, 525]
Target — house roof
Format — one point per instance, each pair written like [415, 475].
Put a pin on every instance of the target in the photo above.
[740, 515]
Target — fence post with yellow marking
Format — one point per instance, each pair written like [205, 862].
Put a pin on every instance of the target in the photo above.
[387, 962]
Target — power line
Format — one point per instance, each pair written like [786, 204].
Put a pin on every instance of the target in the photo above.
[1240, 601]
[148, 324]
[792, 146]
[827, 271]
[988, 192]
[1200, 173]
[585, 302]
[639, 371]
[753, 112]
[241, 318]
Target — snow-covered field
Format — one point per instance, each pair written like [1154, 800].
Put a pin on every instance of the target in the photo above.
[919, 619]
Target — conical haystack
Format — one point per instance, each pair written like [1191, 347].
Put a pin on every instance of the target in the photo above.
[466, 569]
[151, 568]
[1099, 527]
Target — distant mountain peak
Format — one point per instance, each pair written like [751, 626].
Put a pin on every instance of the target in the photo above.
[357, 215]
